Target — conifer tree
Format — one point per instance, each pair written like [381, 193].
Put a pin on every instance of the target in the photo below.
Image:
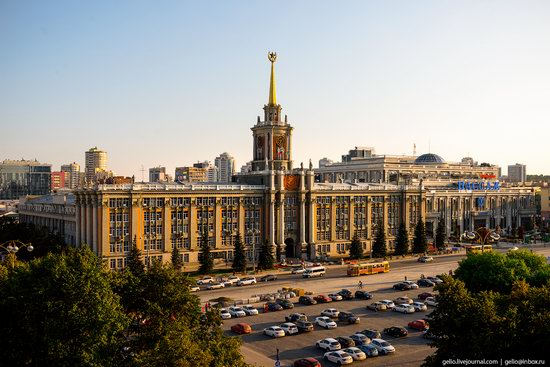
[379, 247]
[402, 241]
[134, 264]
[239, 256]
[440, 234]
[355, 249]
[206, 261]
[177, 262]
[420, 244]
[266, 259]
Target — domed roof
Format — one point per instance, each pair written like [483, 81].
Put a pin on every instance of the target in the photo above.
[429, 158]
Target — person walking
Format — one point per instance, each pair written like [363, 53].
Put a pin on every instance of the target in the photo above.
[360, 285]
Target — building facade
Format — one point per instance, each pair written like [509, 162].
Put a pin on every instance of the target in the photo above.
[517, 173]
[225, 165]
[96, 162]
[157, 174]
[74, 174]
[20, 178]
[60, 180]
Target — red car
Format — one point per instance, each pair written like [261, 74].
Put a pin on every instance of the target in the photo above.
[241, 328]
[321, 298]
[425, 295]
[418, 325]
[307, 362]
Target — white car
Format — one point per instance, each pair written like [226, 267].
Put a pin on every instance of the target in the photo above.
[325, 322]
[382, 346]
[404, 308]
[430, 301]
[356, 353]
[425, 259]
[298, 271]
[339, 357]
[411, 283]
[250, 310]
[236, 312]
[247, 281]
[335, 296]
[274, 332]
[328, 344]
[215, 285]
[232, 279]
[194, 288]
[205, 280]
[420, 306]
[389, 304]
[330, 312]
[403, 300]
[289, 328]
[225, 314]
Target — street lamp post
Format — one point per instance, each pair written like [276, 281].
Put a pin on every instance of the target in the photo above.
[490, 235]
[13, 246]
[253, 233]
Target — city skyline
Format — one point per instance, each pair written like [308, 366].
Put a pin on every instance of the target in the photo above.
[181, 83]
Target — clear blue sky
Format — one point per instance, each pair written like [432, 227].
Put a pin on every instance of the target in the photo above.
[173, 82]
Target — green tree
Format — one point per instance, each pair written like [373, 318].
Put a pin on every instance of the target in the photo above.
[379, 247]
[60, 310]
[402, 240]
[420, 242]
[239, 256]
[440, 234]
[134, 264]
[176, 259]
[356, 248]
[206, 261]
[265, 260]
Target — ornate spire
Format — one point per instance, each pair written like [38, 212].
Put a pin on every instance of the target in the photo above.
[272, 56]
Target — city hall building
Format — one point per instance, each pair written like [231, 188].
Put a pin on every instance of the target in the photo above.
[300, 213]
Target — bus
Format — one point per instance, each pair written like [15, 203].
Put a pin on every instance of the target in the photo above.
[316, 271]
[478, 249]
[354, 270]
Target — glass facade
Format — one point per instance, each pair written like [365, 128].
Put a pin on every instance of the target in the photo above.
[20, 178]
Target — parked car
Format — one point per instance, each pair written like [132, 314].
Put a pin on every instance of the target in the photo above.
[328, 344]
[274, 332]
[273, 306]
[205, 280]
[330, 312]
[225, 314]
[425, 295]
[402, 286]
[425, 283]
[389, 304]
[307, 300]
[346, 294]
[360, 339]
[404, 308]
[194, 288]
[396, 331]
[356, 353]
[403, 300]
[304, 326]
[325, 322]
[382, 346]
[371, 333]
[418, 325]
[307, 362]
[369, 350]
[285, 303]
[411, 283]
[348, 317]
[299, 270]
[250, 310]
[425, 259]
[377, 306]
[430, 301]
[335, 296]
[436, 280]
[236, 311]
[268, 278]
[419, 306]
[339, 357]
[289, 328]
[345, 342]
[363, 295]
[215, 285]
[231, 280]
[241, 328]
[246, 281]
[295, 317]
[428, 334]
[321, 298]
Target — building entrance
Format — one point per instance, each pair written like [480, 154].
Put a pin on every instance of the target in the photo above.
[290, 248]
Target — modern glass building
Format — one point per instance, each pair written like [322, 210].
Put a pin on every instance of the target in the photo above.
[20, 178]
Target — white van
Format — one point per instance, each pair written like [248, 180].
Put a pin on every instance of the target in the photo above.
[316, 271]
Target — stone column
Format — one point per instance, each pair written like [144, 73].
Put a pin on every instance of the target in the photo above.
[82, 223]
[167, 227]
[136, 221]
[218, 222]
[272, 221]
[351, 218]
[77, 222]
[312, 221]
[94, 224]
[103, 246]
[282, 245]
[89, 238]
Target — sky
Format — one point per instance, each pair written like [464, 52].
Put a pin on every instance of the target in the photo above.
[175, 82]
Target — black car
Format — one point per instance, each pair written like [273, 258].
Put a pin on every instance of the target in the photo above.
[295, 317]
[269, 277]
[371, 333]
[348, 317]
[425, 283]
[396, 331]
[272, 306]
[304, 326]
[346, 294]
[402, 286]
[307, 300]
[285, 303]
[363, 295]
[345, 341]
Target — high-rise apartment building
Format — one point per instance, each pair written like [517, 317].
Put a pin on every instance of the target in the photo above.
[74, 174]
[96, 161]
[191, 174]
[517, 173]
[60, 180]
[20, 178]
[225, 164]
[157, 174]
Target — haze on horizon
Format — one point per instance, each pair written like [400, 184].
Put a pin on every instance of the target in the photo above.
[173, 82]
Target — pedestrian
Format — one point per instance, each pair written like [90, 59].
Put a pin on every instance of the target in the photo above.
[405, 278]
[360, 285]
[265, 308]
[421, 276]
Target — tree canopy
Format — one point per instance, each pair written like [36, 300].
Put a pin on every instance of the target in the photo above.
[379, 247]
[355, 248]
[420, 243]
[402, 240]
[440, 234]
[265, 259]
[205, 258]
[239, 256]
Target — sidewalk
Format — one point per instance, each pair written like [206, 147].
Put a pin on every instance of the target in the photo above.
[254, 358]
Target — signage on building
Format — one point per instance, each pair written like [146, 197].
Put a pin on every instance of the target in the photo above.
[478, 186]
[487, 176]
